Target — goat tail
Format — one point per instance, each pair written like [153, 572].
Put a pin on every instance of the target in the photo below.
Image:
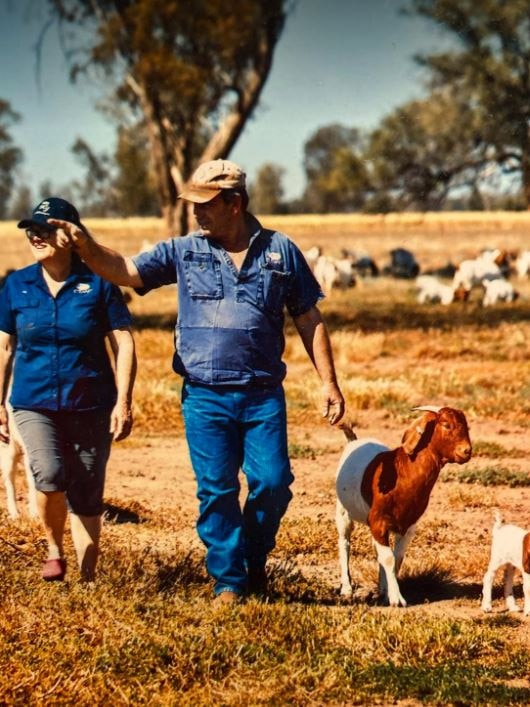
[347, 427]
[498, 521]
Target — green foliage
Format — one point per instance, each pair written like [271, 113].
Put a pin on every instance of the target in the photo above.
[494, 450]
[426, 148]
[489, 476]
[490, 65]
[22, 203]
[94, 194]
[193, 74]
[134, 184]
[10, 155]
[337, 179]
[266, 191]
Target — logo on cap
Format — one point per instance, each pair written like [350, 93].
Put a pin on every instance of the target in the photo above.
[43, 208]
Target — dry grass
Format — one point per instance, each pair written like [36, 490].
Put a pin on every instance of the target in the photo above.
[147, 632]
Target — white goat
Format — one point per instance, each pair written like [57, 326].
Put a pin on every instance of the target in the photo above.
[510, 548]
[522, 263]
[389, 490]
[471, 273]
[312, 255]
[332, 272]
[498, 291]
[431, 290]
[11, 453]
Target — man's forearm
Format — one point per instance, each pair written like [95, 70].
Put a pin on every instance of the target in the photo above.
[104, 261]
[315, 337]
[109, 264]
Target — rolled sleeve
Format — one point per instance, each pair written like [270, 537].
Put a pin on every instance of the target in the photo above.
[304, 291]
[118, 314]
[7, 318]
[157, 267]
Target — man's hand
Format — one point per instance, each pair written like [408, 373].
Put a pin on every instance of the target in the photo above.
[121, 421]
[4, 425]
[68, 234]
[333, 407]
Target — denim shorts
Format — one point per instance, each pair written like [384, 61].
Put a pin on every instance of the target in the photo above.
[68, 451]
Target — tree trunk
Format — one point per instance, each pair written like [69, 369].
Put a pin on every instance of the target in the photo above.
[525, 177]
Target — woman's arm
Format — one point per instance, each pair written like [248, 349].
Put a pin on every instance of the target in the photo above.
[122, 344]
[7, 345]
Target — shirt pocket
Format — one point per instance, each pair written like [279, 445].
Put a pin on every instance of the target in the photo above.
[203, 276]
[27, 320]
[273, 288]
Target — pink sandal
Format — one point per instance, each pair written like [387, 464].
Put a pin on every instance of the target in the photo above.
[54, 570]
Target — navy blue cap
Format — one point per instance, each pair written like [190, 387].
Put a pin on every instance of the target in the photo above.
[52, 207]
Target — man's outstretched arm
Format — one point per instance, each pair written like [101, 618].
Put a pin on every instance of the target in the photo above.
[107, 263]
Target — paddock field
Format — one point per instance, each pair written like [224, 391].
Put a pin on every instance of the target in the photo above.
[146, 633]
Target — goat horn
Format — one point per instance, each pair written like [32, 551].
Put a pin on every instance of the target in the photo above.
[428, 408]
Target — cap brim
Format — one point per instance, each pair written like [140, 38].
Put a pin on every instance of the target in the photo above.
[199, 196]
[28, 223]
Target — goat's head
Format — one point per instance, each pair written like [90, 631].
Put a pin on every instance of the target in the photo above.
[444, 430]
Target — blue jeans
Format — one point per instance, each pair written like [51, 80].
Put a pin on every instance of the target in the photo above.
[229, 429]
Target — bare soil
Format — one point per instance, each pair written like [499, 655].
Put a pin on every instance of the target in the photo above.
[156, 474]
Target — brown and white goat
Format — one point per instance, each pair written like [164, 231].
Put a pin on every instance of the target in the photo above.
[389, 489]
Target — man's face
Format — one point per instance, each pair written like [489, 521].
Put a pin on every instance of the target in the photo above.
[215, 217]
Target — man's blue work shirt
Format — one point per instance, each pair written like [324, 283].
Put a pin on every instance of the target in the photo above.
[229, 329]
[61, 361]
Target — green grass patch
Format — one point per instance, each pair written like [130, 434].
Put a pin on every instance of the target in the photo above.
[494, 450]
[489, 476]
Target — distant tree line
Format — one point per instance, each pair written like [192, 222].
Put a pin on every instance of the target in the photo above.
[184, 84]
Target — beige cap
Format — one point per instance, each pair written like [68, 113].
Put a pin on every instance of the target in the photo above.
[211, 178]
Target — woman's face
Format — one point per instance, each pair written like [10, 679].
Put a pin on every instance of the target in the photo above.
[43, 243]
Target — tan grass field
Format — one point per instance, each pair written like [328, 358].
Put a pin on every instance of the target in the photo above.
[147, 634]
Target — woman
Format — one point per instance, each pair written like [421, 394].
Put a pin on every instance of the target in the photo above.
[68, 404]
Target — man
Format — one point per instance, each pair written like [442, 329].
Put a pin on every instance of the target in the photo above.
[234, 279]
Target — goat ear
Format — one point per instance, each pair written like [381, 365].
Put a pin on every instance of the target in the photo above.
[413, 434]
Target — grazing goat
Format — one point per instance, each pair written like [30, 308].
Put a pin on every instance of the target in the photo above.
[403, 264]
[363, 264]
[471, 273]
[522, 264]
[11, 453]
[389, 489]
[312, 255]
[333, 272]
[510, 548]
[498, 291]
[431, 290]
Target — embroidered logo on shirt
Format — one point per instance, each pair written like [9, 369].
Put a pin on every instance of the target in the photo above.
[82, 288]
[274, 257]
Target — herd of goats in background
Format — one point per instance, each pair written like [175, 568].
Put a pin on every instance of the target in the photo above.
[490, 270]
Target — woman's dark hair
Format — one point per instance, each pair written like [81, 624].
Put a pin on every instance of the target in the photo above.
[228, 195]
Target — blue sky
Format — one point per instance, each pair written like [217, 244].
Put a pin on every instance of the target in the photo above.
[345, 61]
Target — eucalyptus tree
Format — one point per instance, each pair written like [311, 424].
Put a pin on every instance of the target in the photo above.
[490, 63]
[10, 155]
[192, 72]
